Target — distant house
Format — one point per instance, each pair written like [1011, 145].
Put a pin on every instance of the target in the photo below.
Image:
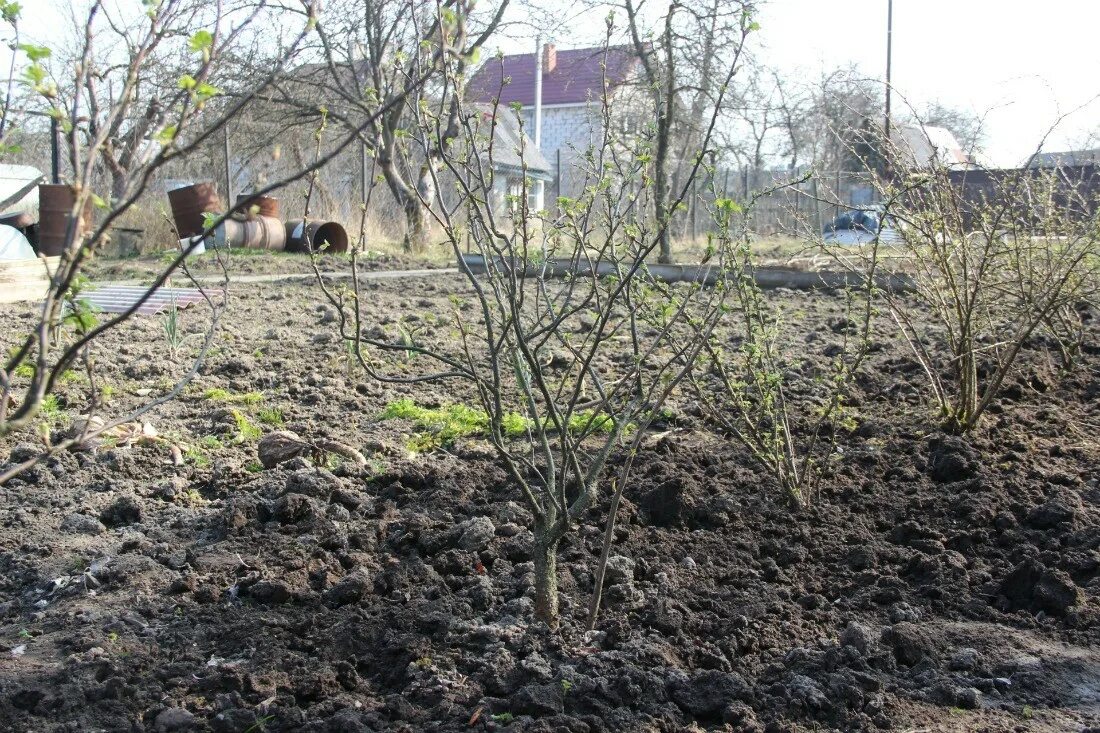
[923, 146]
[1065, 159]
[572, 92]
[514, 156]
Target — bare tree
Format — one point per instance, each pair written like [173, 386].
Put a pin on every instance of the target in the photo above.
[362, 61]
[967, 126]
[530, 347]
[672, 66]
[66, 330]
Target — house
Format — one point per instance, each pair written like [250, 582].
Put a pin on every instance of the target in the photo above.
[1067, 158]
[513, 156]
[572, 88]
[925, 145]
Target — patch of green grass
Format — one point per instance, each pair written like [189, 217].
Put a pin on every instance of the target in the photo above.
[246, 430]
[222, 395]
[51, 411]
[197, 456]
[24, 370]
[272, 416]
[254, 467]
[591, 421]
[210, 442]
[442, 426]
[504, 718]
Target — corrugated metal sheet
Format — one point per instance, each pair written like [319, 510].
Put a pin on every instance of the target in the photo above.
[120, 298]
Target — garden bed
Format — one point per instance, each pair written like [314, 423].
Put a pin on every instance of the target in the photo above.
[937, 584]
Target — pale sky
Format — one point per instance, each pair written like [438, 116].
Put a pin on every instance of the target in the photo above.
[1019, 62]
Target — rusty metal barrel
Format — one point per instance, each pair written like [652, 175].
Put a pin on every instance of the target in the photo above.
[324, 236]
[258, 205]
[190, 203]
[55, 206]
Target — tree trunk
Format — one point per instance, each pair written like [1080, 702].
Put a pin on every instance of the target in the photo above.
[416, 227]
[546, 576]
[661, 194]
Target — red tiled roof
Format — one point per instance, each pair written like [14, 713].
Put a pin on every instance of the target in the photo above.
[577, 77]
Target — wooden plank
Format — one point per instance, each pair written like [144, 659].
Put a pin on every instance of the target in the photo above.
[19, 292]
[22, 280]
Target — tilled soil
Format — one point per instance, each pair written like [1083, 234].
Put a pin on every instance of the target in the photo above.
[937, 584]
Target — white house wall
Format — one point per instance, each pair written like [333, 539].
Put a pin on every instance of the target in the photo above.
[569, 129]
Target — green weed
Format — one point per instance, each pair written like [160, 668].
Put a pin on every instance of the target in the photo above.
[197, 456]
[246, 430]
[222, 395]
[272, 416]
[210, 442]
[443, 425]
[51, 411]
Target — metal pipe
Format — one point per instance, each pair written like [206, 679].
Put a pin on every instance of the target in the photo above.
[326, 236]
[55, 151]
[538, 91]
[258, 232]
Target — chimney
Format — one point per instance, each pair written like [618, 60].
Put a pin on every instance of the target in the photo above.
[549, 58]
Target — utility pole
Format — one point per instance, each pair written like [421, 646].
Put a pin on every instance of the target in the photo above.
[228, 165]
[889, 54]
[363, 170]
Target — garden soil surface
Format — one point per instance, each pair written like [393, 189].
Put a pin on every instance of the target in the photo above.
[936, 584]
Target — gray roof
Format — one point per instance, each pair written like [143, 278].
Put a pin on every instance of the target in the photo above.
[1066, 158]
[506, 143]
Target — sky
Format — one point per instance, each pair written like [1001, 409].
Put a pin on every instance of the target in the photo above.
[1018, 63]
